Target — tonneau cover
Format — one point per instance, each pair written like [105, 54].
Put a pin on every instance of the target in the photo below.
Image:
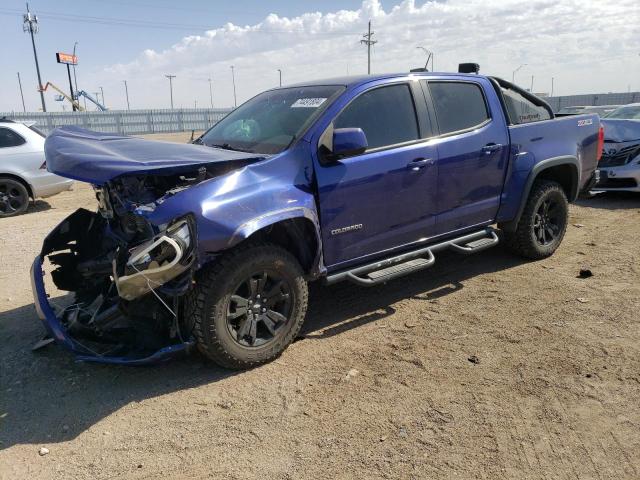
[97, 158]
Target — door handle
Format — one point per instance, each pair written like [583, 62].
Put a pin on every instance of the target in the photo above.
[419, 163]
[489, 148]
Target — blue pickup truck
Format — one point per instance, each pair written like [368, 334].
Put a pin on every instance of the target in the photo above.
[211, 245]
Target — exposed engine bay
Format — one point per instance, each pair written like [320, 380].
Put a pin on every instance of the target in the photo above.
[128, 277]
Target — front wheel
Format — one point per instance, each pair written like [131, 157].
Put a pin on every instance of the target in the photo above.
[543, 223]
[249, 306]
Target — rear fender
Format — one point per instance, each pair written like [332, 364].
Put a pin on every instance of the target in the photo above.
[542, 169]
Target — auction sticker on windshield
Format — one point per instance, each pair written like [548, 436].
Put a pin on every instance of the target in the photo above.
[308, 103]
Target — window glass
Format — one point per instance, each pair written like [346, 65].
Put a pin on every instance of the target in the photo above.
[270, 121]
[9, 138]
[458, 106]
[386, 115]
[522, 110]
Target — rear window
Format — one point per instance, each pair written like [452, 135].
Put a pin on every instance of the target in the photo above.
[9, 138]
[522, 110]
[458, 105]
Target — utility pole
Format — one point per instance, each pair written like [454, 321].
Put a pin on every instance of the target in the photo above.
[75, 79]
[24, 109]
[171, 77]
[211, 93]
[367, 40]
[30, 24]
[531, 90]
[97, 94]
[126, 92]
[552, 86]
[280, 73]
[102, 93]
[233, 78]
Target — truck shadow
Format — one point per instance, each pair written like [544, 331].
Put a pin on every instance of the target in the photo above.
[612, 201]
[47, 397]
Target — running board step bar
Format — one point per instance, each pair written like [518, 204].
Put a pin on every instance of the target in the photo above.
[397, 266]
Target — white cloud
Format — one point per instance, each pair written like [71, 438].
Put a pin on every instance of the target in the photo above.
[587, 46]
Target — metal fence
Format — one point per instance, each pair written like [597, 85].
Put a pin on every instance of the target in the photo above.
[593, 99]
[127, 122]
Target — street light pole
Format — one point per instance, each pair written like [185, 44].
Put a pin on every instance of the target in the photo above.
[30, 24]
[126, 92]
[233, 79]
[24, 109]
[171, 77]
[280, 73]
[513, 75]
[211, 93]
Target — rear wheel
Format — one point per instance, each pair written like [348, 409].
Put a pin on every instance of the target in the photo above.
[14, 197]
[248, 306]
[543, 223]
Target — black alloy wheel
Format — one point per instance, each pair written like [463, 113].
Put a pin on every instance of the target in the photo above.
[14, 197]
[547, 222]
[259, 309]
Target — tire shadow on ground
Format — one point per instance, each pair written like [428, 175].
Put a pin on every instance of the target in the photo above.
[48, 397]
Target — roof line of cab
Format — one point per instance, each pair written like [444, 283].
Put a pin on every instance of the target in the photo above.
[357, 80]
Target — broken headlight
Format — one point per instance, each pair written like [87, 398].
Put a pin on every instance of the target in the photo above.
[157, 261]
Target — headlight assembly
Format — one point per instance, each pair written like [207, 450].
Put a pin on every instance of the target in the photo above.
[157, 261]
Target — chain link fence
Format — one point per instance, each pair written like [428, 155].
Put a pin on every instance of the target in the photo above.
[126, 122]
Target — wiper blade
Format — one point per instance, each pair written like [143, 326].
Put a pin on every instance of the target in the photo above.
[226, 146]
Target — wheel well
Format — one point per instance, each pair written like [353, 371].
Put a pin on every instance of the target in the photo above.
[18, 179]
[566, 175]
[297, 235]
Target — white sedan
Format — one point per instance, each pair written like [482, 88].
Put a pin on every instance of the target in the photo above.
[23, 170]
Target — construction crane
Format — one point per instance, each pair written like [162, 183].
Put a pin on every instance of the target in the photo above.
[64, 95]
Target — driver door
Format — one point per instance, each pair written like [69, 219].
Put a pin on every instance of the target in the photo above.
[385, 197]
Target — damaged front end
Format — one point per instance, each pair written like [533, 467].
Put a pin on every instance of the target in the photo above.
[128, 278]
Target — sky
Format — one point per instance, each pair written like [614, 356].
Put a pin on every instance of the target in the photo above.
[585, 46]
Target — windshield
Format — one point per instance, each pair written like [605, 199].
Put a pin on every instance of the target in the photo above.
[631, 112]
[269, 122]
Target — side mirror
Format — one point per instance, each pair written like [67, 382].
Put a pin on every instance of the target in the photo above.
[348, 141]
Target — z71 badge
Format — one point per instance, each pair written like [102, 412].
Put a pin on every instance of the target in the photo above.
[586, 121]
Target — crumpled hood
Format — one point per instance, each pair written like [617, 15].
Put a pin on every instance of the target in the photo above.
[97, 158]
[619, 130]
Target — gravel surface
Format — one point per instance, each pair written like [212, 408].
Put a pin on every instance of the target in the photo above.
[485, 366]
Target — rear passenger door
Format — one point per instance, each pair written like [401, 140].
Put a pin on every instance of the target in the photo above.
[385, 197]
[473, 150]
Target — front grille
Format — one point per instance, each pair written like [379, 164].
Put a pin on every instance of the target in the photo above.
[617, 183]
[619, 158]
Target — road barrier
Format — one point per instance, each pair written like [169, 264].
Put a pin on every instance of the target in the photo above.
[126, 122]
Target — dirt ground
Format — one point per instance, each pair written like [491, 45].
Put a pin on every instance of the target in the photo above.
[484, 367]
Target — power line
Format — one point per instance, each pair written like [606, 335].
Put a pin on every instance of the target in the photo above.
[151, 24]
